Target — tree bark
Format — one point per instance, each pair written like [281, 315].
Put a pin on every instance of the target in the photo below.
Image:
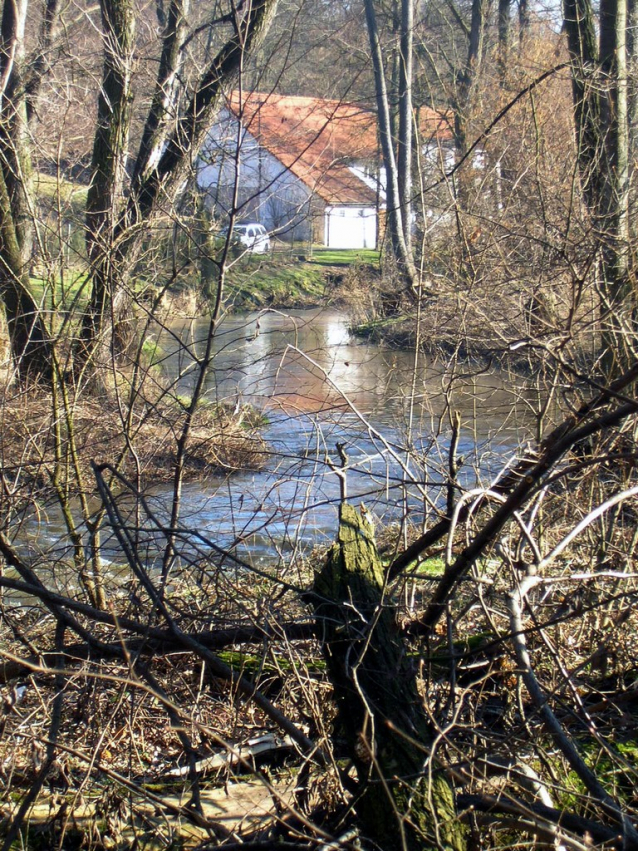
[523, 19]
[470, 73]
[614, 213]
[40, 61]
[110, 145]
[395, 201]
[599, 87]
[166, 151]
[504, 31]
[163, 107]
[29, 340]
[406, 801]
[406, 118]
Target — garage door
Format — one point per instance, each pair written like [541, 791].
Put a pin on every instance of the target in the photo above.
[351, 227]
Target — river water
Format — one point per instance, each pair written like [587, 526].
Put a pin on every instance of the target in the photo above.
[319, 387]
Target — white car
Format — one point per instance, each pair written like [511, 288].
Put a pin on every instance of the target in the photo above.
[251, 236]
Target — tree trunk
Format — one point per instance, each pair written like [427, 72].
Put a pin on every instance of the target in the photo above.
[110, 145]
[462, 105]
[170, 142]
[406, 119]
[504, 31]
[406, 801]
[523, 20]
[29, 340]
[613, 225]
[394, 199]
[163, 108]
[599, 86]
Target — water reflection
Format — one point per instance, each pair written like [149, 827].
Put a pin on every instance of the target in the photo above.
[319, 388]
[306, 361]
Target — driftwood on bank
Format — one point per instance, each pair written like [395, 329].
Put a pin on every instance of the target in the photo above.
[405, 802]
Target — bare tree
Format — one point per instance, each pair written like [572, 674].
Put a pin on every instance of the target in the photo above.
[175, 126]
[599, 80]
[28, 337]
[398, 173]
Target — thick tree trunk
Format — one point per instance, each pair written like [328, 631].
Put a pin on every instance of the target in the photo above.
[163, 109]
[599, 85]
[170, 142]
[406, 802]
[29, 340]
[110, 146]
[462, 105]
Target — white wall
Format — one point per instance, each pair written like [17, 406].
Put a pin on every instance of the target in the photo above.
[350, 227]
[270, 194]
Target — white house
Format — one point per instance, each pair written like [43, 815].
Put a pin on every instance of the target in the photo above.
[305, 168]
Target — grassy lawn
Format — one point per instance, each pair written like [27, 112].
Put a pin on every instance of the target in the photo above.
[343, 257]
[256, 281]
[68, 292]
[53, 190]
[290, 277]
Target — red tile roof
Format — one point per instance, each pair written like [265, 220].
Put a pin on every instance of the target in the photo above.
[316, 140]
[434, 126]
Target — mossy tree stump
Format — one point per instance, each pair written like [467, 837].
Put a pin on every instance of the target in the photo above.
[406, 803]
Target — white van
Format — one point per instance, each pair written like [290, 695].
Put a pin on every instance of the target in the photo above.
[252, 237]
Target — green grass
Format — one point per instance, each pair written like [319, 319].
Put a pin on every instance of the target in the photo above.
[51, 190]
[254, 282]
[343, 257]
[65, 293]
[284, 280]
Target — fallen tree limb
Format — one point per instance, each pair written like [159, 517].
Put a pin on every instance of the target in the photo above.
[575, 824]
[553, 447]
[158, 645]
[57, 603]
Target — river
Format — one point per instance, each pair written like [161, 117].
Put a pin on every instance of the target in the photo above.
[319, 387]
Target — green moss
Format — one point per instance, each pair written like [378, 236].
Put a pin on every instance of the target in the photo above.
[462, 647]
[360, 635]
[251, 664]
[434, 566]
[617, 775]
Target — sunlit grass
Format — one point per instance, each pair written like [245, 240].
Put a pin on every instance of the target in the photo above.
[56, 190]
[61, 293]
[344, 256]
